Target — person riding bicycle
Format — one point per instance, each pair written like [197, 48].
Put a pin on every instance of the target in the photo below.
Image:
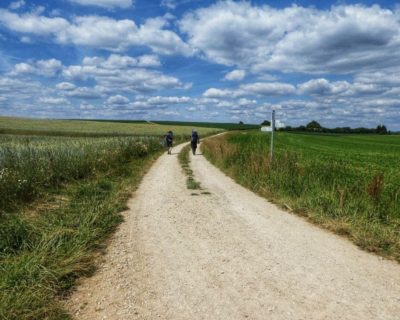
[195, 139]
[169, 138]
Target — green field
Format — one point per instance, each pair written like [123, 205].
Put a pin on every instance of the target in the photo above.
[347, 183]
[10, 125]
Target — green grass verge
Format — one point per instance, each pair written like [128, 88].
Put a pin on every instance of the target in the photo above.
[184, 160]
[46, 245]
[347, 184]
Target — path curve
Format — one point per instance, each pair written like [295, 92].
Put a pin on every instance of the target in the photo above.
[229, 255]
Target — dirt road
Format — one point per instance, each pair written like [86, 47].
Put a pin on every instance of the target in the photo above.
[229, 255]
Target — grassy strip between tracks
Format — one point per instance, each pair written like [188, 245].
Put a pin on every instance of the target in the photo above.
[51, 237]
[184, 160]
[347, 184]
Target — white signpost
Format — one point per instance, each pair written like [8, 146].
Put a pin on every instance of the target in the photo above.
[270, 129]
[266, 129]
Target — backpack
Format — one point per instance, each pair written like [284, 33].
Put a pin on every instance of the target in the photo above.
[195, 137]
[169, 137]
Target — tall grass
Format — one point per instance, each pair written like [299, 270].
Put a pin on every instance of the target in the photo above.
[350, 185]
[47, 242]
[31, 166]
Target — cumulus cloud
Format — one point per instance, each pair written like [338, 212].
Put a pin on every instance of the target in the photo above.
[217, 93]
[105, 3]
[32, 23]
[99, 31]
[162, 100]
[268, 88]
[235, 75]
[84, 93]
[342, 39]
[122, 73]
[117, 100]
[149, 61]
[65, 86]
[246, 102]
[323, 87]
[47, 68]
[53, 101]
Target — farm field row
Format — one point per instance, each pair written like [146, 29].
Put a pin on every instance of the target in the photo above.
[93, 128]
[349, 184]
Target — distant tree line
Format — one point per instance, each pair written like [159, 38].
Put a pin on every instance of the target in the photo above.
[314, 126]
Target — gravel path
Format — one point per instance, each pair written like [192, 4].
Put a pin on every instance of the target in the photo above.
[229, 255]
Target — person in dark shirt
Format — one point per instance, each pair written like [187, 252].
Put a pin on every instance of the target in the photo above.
[195, 139]
[169, 138]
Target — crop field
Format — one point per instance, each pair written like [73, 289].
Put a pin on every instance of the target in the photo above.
[30, 165]
[349, 184]
[93, 128]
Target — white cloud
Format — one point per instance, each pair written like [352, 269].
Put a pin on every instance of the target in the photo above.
[65, 86]
[162, 100]
[246, 102]
[323, 87]
[99, 32]
[84, 93]
[17, 4]
[122, 73]
[235, 75]
[105, 3]
[268, 88]
[149, 61]
[117, 100]
[47, 68]
[53, 101]
[32, 23]
[87, 106]
[343, 39]
[217, 93]
[170, 4]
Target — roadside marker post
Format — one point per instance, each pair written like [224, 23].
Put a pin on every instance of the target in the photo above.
[272, 134]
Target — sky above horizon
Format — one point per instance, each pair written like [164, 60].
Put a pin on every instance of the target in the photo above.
[336, 62]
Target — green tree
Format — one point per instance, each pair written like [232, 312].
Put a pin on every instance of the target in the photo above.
[314, 126]
[381, 129]
[266, 123]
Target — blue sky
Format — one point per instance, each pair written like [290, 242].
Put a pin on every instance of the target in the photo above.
[337, 62]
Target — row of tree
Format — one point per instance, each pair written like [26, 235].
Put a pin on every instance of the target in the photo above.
[314, 126]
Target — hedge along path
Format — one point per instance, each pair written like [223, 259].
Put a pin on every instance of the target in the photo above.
[230, 255]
